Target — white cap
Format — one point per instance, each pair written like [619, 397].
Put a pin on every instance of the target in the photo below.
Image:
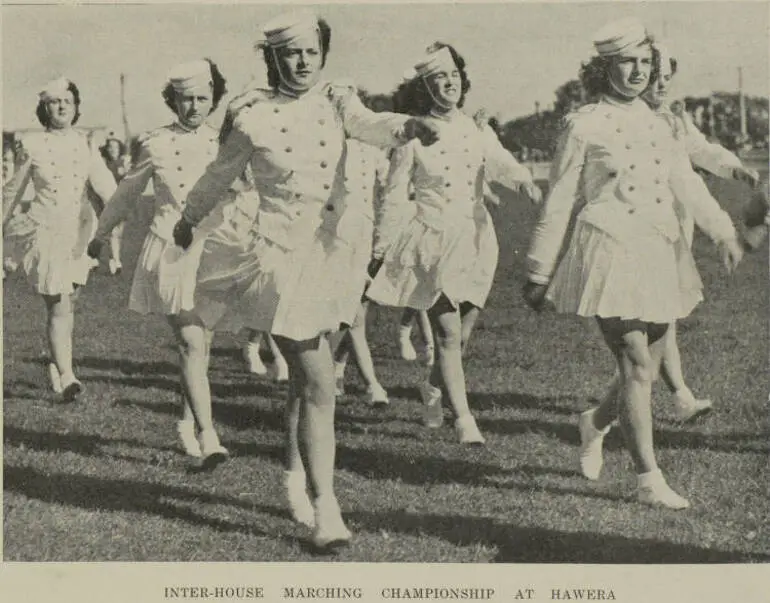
[615, 37]
[191, 77]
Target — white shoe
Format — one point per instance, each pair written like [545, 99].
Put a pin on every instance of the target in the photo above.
[433, 411]
[376, 395]
[688, 408]
[468, 431]
[653, 490]
[405, 345]
[330, 531]
[279, 370]
[115, 266]
[71, 388]
[253, 359]
[186, 432]
[591, 441]
[295, 489]
[55, 377]
[212, 452]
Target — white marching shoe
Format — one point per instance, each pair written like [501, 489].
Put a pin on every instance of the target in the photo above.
[279, 370]
[55, 378]
[71, 388]
[376, 395]
[591, 442]
[330, 531]
[688, 408]
[186, 432]
[295, 489]
[212, 451]
[653, 490]
[468, 432]
[433, 411]
[253, 359]
[405, 346]
[115, 266]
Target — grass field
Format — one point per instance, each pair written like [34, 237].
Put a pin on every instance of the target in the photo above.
[104, 479]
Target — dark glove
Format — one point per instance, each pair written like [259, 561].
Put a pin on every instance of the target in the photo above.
[94, 250]
[421, 129]
[534, 295]
[183, 233]
[374, 267]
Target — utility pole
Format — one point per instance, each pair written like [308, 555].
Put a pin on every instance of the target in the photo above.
[742, 106]
[126, 131]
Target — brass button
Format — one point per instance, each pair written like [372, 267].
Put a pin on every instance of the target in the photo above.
[288, 149]
[330, 207]
[324, 164]
[284, 130]
[630, 211]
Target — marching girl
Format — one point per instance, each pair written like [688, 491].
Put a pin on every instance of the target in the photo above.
[119, 163]
[363, 171]
[277, 270]
[48, 241]
[174, 157]
[627, 263]
[713, 158]
[443, 261]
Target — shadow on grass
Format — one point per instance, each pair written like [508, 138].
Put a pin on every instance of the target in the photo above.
[104, 494]
[664, 438]
[539, 545]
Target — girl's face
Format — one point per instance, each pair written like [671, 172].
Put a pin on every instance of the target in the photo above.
[299, 63]
[193, 108]
[445, 88]
[658, 91]
[629, 72]
[61, 110]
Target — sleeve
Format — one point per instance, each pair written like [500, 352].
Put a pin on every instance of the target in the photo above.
[395, 199]
[548, 236]
[501, 166]
[231, 161]
[13, 190]
[707, 156]
[382, 130]
[120, 203]
[690, 190]
[100, 177]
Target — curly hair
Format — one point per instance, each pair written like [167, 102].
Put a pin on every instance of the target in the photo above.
[594, 75]
[42, 111]
[655, 72]
[274, 76]
[414, 98]
[121, 148]
[219, 85]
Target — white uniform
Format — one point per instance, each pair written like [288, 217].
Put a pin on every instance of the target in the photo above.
[621, 168]
[173, 158]
[279, 266]
[703, 154]
[449, 244]
[49, 240]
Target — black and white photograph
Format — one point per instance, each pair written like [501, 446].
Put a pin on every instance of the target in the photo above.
[402, 284]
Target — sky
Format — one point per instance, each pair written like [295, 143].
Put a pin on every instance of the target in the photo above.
[517, 53]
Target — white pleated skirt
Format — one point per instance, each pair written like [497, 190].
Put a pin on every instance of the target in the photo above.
[459, 261]
[647, 278]
[52, 254]
[248, 281]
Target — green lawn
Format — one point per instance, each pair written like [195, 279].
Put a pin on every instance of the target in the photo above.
[104, 480]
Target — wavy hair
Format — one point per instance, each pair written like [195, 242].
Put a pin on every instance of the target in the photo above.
[219, 89]
[274, 75]
[42, 111]
[413, 97]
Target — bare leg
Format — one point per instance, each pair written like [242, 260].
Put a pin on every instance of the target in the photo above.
[405, 335]
[59, 331]
[447, 326]
[639, 352]
[316, 431]
[363, 355]
[686, 405]
[194, 343]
